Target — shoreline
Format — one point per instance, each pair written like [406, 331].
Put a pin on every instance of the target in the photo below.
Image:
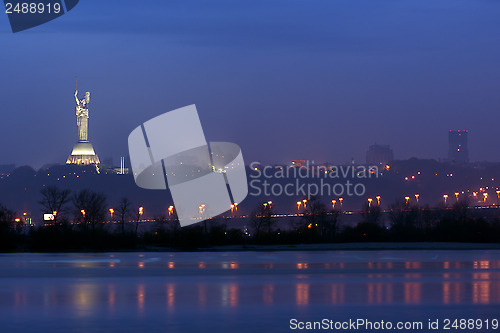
[368, 246]
[401, 246]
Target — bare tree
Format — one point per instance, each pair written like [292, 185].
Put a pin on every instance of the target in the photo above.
[402, 214]
[7, 228]
[318, 218]
[314, 208]
[54, 201]
[90, 206]
[461, 209]
[123, 211]
[371, 213]
[262, 217]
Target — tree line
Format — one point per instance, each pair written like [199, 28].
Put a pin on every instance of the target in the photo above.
[87, 210]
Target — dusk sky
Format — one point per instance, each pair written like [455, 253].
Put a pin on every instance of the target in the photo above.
[284, 79]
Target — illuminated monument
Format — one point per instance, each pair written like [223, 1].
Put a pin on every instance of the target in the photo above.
[83, 152]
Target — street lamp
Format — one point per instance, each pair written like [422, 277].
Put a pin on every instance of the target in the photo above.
[456, 195]
[170, 210]
[370, 202]
[485, 195]
[111, 212]
[333, 203]
[416, 197]
[341, 200]
[445, 198]
[304, 201]
[298, 205]
[378, 200]
[407, 199]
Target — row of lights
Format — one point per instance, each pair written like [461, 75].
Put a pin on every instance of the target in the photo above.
[234, 207]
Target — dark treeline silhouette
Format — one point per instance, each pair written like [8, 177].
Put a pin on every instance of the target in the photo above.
[82, 223]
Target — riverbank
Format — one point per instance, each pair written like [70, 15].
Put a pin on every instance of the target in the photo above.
[358, 247]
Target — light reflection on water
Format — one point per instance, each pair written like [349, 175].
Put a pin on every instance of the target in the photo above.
[393, 283]
[108, 284]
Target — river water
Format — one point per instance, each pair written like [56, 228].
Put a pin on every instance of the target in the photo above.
[244, 291]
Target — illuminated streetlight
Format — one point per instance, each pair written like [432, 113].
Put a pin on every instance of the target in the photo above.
[234, 207]
[416, 197]
[485, 195]
[370, 202]
[341, 200]
[111, 212]
[83, 212]
[456, 195]
[407, 199]
[170, 210]
[304, 201]
[298, 205]
[378, 199]
[333, 203]
[445, 198]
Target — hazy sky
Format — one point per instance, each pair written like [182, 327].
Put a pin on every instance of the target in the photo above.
[284, 79]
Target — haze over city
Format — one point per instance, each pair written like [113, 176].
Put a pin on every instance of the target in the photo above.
[316, 80]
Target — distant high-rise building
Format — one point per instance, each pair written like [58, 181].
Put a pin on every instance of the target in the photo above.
[379, 154]
[458, 148]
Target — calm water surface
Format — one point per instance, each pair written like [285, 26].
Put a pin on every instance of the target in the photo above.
[241, 291]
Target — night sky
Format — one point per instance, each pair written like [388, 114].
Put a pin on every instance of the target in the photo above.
[284, 79]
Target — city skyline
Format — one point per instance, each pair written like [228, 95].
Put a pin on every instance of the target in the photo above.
[113, 161]
[323, 83]
[315, 164]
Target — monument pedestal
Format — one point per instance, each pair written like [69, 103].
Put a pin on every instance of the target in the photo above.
[83, 153]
